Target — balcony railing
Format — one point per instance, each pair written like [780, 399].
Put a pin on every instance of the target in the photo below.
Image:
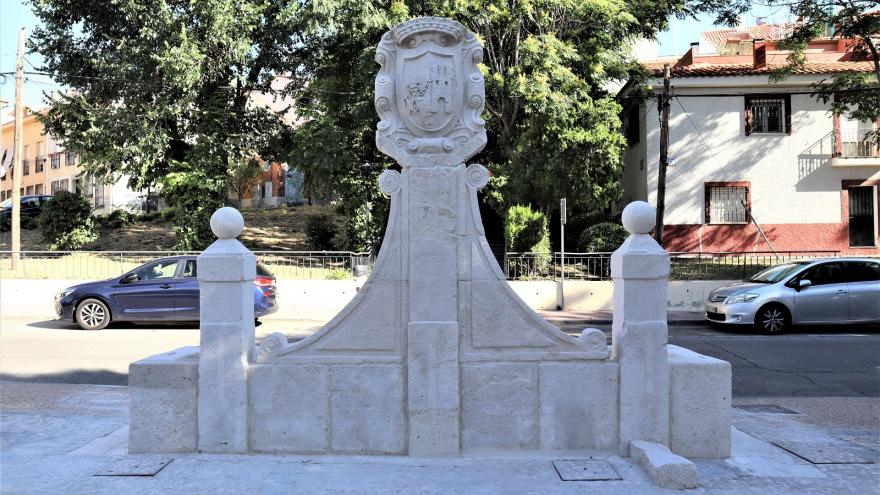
[854, 144]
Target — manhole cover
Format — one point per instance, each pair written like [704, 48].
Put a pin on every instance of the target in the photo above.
[765, 408]
[822, 453]
[585, 471]
[136, 466]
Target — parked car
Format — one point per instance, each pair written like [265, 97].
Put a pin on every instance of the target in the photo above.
[812, 292]
[31, 205]
[162, 290]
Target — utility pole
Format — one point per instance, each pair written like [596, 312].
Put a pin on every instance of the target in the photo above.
[663, 108]
[16, 168]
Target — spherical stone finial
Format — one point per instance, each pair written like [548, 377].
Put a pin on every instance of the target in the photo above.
[639, 217]
[227, 223]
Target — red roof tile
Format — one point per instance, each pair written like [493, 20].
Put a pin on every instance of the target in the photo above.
[748, 69]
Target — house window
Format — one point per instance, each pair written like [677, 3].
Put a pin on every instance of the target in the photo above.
[38, 189]
[767, 114]
[38, 164]
[26, 167]
[727, 202]
[70, 158]
[99, 195]
[56, 160]
[29, 190]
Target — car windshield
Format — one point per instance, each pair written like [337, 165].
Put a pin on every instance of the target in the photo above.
[776, 273]
[6, 204]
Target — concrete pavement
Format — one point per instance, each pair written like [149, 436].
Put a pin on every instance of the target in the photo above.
[71, 439]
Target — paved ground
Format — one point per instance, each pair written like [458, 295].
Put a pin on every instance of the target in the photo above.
[71, 439]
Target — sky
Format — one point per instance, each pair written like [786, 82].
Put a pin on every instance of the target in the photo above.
[16, 13]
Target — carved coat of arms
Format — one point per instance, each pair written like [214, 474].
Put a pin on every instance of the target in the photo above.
[430, 93]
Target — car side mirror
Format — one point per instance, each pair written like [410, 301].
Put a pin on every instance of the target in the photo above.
[803, 284]
[131, 277]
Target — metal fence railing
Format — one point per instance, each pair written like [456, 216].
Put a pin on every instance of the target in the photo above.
[683, 266]
[95, 265]
[345, 265]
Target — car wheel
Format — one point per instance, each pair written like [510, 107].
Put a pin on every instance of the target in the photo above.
[92, 314]
[773, 319]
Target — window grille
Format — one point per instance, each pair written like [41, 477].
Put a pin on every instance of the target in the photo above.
[768, 115]
[727, 204]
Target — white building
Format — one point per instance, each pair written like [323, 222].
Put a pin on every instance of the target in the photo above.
[745, 151]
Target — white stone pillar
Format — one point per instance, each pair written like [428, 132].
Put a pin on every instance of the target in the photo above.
[226, 272]
[640, 268]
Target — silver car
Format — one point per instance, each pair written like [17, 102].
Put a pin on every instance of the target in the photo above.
[812, 292]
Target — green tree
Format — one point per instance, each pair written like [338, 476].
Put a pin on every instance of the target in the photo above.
[244, 175]
[552, 119]
[161, 92]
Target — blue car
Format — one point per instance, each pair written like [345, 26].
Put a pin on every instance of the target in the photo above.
[162, 290]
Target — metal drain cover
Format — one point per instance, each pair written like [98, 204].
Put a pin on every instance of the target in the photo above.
[589, 470]
[136, 466]
[822, 453]
[765, 408]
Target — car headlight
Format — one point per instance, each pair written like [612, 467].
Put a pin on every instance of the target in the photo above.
[61, 295]
[741, 298]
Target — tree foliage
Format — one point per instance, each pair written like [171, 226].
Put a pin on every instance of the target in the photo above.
[550, 66]
[161, 92]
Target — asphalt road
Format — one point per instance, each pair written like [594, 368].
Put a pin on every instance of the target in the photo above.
[811, 362]
[816, 361]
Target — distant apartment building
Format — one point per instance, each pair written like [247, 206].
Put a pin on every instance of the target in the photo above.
[48, 168]
[756, 165]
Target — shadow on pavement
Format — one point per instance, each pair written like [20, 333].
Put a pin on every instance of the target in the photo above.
[826, 329]
[95, 377]
[118, 325]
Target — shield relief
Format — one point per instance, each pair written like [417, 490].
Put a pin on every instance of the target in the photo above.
[430, 93]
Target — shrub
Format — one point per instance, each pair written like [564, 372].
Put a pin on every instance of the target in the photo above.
[602, 237]
[321, 229]
[338, 274]
[526, 231]
[116, 219]
[28, 223]
[66, 221]
[148, 217]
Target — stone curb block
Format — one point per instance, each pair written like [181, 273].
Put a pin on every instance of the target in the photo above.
[664, 468]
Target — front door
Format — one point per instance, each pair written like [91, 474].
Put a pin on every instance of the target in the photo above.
[151, 295]
[862, 209]
[826, 299]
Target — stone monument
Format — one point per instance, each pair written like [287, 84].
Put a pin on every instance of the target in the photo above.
[436, 355]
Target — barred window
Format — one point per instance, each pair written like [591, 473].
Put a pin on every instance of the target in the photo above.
[727, 204]
[768, 114]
